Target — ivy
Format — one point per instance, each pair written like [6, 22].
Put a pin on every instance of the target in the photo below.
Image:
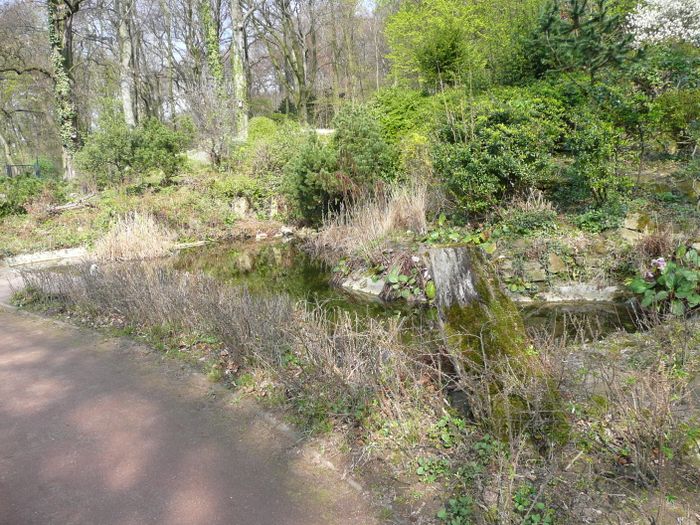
[63, 86]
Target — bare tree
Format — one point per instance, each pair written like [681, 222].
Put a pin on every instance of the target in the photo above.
[25, 85]
[289, 31]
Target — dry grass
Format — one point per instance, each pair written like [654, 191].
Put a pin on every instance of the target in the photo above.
[135, 236]
[626, 429]
[363, 228]
[658, 243]
[41, 204]
[355, 364]
[533, 201]
[329, 361]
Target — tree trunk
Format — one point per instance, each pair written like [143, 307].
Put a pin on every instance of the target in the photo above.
[6, 150]
[60, 14]
[126, 60]
[239, 70]
[171, 59]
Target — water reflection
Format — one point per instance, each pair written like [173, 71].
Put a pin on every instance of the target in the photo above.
[284, 268]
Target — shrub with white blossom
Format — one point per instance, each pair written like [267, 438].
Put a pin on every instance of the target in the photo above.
[656, 21]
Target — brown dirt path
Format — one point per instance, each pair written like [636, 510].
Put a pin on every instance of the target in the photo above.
[97, 430]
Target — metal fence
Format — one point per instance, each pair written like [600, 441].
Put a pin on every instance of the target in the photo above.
[17, 170]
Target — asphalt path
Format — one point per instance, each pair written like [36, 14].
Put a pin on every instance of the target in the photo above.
[101, 431]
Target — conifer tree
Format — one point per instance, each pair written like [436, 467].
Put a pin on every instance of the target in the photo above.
[580, 35]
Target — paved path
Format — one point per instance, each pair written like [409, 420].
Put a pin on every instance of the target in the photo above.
[101, 431]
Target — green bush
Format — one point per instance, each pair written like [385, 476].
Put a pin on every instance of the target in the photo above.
[442, 56]
[114, 153]
[472, 184]
[312, 184]
[363, 155]
[261, 128]
[48, 168]
[527, 222]
[598, 220]
[630, 109]
[415, 161]
[158, 147]
[321, 175]
[237, 185]
[496, 148]
[402, 112]
[17, 192]
[108, 152]
[680, 110]
[264, 159]
[667, 66]
[595, 145]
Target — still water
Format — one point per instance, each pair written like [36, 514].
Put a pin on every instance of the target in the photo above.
[283, 268]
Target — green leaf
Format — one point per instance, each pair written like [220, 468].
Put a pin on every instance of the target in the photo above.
[639, 285]
[489, 247]
[670, 280]
[430, 290]
[683, 293]
[677, 308]
[661, 296]
[393, 276]
[693, 300]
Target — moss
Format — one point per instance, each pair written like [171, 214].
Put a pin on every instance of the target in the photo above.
[490, 330]
[490, 326]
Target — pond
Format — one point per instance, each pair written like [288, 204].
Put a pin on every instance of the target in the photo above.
[284, 268]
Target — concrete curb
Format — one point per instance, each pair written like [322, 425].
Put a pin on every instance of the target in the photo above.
[50, 257]
[69, 256]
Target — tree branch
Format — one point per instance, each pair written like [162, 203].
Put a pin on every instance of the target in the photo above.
[22, 71]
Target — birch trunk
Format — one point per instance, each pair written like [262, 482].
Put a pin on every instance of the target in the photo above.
[171, 60]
